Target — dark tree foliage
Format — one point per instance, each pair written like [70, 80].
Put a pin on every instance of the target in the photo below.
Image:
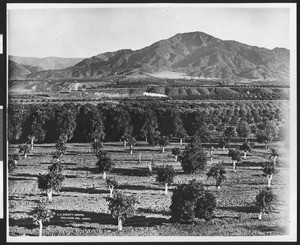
[267, 133]
[96, 146]
[223, 142]
[176, 151]
[121, 207]
[165, 174]
[153, 137]
[246, 146]
[90, 124]
[61, 146]
[117, 123]
[243, 130]
[190, 201]
[217, 172]
[193, 158]
[230, 132]
[11, 165]
[65, 118]
[264, 200]
[234, 154]
[17, 114]
[150, 125]
[104, 163]
[269, 169]
[51, 181]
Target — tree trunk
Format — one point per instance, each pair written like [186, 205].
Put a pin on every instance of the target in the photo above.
[150, 166]
[25, 155]
[124, 143]
[166, 188]
[111, 189]
[176, 158]
[131, 150]
[245, 154]
[31, 143]
[234, 165]
[140, 158]
[180, 142]
[260, 215]
[104, 175]
[163, 149]
[266, 144]
[120, 224]
[41, 227]
[16, 162]
[274, 160]
[49, 194]
[269, 177]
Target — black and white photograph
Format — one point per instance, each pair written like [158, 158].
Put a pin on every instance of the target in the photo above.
[151, 122]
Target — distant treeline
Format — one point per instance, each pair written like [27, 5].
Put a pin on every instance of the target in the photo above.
[111, 122]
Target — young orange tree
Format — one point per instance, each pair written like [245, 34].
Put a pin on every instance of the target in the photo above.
[42, 214]
[121, 207]
[264, 201]
[190, 201]
[217, 171]
[104, 163]
[165, 175]
[52, 180]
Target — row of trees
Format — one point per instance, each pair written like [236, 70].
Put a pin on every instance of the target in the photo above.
[85, 123]
[189, 201]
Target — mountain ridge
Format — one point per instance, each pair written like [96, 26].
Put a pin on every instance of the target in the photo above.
[194, 53]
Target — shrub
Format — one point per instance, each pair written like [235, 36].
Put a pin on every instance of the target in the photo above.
[269, 170]
[165, 175]
[104, 163]
[265, 200]
[61, 146]
[51, 181]
[193, 158]
[121, 207]
[42, 214]
[190, 201]
[235, 156]
[217, 172]
[11, 165]
[176, 152]
[96, 146]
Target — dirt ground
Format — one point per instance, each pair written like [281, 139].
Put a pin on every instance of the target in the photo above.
[81, 209]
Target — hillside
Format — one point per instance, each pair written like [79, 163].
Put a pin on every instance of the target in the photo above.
[48, 63]
[195, 54]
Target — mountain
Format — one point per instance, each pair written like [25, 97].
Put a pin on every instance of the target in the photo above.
[20, 72]
[195, 54]
[48, 63]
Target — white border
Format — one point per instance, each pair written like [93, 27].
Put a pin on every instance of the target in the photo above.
[293, 132]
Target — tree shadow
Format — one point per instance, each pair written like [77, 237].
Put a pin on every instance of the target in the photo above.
[142, 221]
[84, 190]
[264, 228]
[67, 217]
[131, 171]
[240, 209]
[25, 222]
[226, 217]
[148, 210]
[139, 187]
[10, 178]
[26, 175]
[251, 164]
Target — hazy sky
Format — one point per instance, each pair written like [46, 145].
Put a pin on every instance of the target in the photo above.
[84, 32]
